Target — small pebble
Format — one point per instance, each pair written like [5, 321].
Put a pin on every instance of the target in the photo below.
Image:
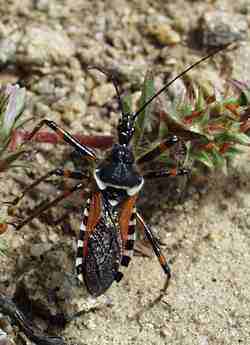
[220, 28]
[160, 28]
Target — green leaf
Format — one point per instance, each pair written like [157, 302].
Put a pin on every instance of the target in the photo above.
[236, 137]
[231, 152]
[3, 247]
[163, 130]
[20, 122]
[244, 98]
[231, 100]
[242, 138]
[127, 104]
[14, 107]
[6, 161]
[202, 120]
[217, 158]
[204, 158]
[184, 110]
[148, 91]
[200, 102]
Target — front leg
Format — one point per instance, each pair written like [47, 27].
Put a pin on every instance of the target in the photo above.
[84, 150]
[150, 175]
[158, 150]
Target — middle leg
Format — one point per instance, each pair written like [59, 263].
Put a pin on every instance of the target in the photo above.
[46, 206]
[77, 175]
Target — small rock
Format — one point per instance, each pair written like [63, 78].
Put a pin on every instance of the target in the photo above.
[160, 28]
[5, 324]
[220, 28]
[71, 107]
[42, 46]
[103, 93]
[37, 250]
[8, 47]
[41, 5]
[7, 50]
[241, 63]
[203, 340]
[42, 109]
[4, 338]
[92, 55]
[44, 86]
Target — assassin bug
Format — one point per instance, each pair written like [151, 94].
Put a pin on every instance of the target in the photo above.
[107, 231]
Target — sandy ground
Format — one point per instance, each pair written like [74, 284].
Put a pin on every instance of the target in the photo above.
[206, 238]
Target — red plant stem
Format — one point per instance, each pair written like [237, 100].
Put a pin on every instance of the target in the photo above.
[208, 146]
[2, 165]
[225, 147]
[210, 99]
[3, 228]
[101, 142]
[189, 119]
[233, 108]
[215, 127]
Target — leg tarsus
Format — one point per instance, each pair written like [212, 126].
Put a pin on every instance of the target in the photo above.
[118, 276]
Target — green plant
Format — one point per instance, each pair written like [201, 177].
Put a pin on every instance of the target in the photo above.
[12, 99]
[212, 126]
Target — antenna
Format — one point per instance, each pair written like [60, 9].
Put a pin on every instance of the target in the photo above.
[177, 77]
[114, 81]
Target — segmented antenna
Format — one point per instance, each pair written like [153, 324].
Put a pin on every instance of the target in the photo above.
[113, 80]
[177, 77]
